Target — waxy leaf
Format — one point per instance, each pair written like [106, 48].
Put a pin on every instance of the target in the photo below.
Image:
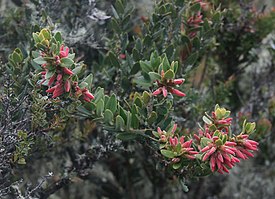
[167, 153]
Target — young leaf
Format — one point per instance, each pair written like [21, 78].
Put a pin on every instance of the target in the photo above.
[112, 104]
[167, 153]
[66, 62]
[120, 124]
[108, 117]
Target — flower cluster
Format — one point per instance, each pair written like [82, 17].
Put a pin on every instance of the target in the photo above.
[213, 145]
[56, 62]
[168, 85]
[175, 147]
[218, 147]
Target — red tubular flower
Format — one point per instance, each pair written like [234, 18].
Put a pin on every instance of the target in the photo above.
[173, 141]
[177, 92]
[67, 85]
[245, 147]
[122, 56]
[187, 149]
[51, 90]
[164, 91]
[51, 80]
[178, 81]
[63, 53]
[59, 77]
[67, 71]
[157, 92]
[87, 96]
[221, 157]
[226, 121]
[59, 90]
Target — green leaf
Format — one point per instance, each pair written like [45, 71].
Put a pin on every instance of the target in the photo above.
[142, 82]
[129, 120]
[99, 94]
[49, 74]
[39, 60]
[113, 59]
[206, 120]
[66, 62]
[46, 33]
[77, 69]
[89, 81]
[119, 7]
[185, 40]
[154, 76]
[167, 153]
[135, 68]
[136, 54]
[126, 136]
[120, 124]
[152, 118]
[16, 57]
[84, 111]
[195, 8]
[138, 102]
[134, 121]
[145, 66]
[165, 63]
[146, 97]
[21, 161]
[205, 142]
[176, 165]
[191, 59]
[58, 37]
[36, 37]
[115, 26]
[100, 107]
[108, 117]
[155, 60]
[216, 17]
[112, 104]
[169, 74]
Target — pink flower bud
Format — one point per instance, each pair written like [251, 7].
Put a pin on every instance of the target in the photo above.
[173, 141]
[157, 92]
[58, 91]
[177, 92]
[174, 128]
[67, 85]
[178, 81]
[67, 71]
[163, 138]
[64, 53]
[164, 91]
[51, 80]
[59, 77]
[89, 95]
[122, 56]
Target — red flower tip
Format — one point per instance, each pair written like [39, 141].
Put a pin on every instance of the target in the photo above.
[67, 85]
[63, 53]
[51, 80]
[122, 56]
[164, 91]
[58, 91]
[59, 77]
[67, 71]
[157, 92]
[178, 81]
[177, 92]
